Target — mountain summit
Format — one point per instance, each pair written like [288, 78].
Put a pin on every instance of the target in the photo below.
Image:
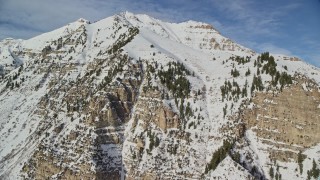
[133, 97]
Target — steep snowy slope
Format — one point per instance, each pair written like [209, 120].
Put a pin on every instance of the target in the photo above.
[133, 97]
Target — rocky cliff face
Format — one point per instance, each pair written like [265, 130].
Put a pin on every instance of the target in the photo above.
[137, 98]
[284, 124]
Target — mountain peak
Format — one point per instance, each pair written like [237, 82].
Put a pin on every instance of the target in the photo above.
[127, 13]
[82, 20]
[192, 33]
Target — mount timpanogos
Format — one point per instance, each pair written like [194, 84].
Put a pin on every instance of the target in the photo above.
[133, 97]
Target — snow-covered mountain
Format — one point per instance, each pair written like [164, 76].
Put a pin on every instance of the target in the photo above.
[133, 97]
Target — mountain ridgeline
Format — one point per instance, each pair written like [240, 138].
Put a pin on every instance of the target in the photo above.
[133, 97]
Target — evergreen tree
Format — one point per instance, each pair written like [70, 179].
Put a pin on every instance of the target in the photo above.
[219, 155]
[271, 173]
[300, 161]
[315, 172]
[248, 72]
